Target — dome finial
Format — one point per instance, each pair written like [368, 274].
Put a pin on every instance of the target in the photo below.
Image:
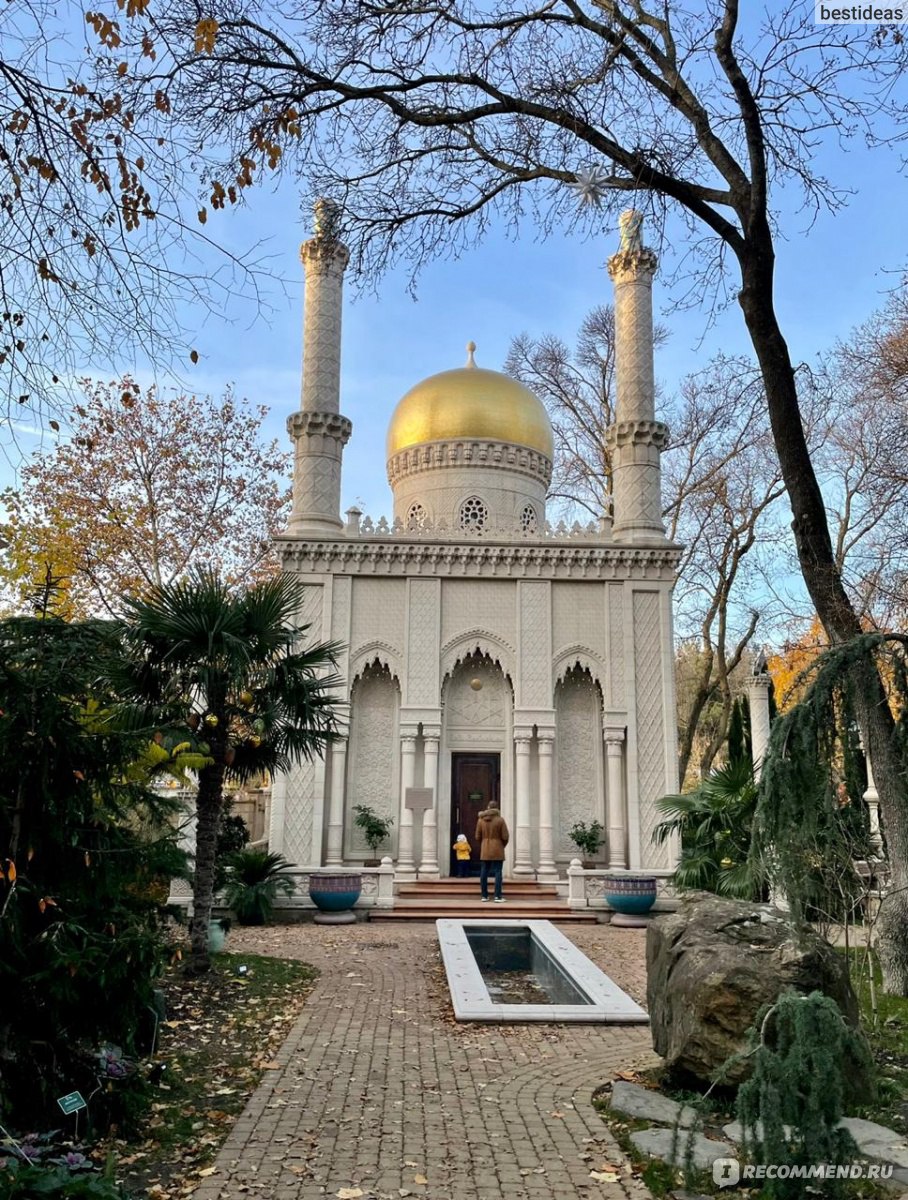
[471, 348]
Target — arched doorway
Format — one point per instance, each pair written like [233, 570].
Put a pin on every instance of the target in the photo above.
[477, 726]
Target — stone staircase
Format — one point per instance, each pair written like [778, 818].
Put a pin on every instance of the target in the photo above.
[431, 899]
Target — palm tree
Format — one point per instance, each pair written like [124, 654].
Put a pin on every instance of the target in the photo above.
[715, 825]
[229, 671]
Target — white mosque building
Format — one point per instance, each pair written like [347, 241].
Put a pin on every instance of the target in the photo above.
[486, 655]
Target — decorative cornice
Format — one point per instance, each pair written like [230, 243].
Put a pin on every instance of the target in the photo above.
[305, 423]
[324, 556]
[627, 266]
[435, 456]
[637, 433]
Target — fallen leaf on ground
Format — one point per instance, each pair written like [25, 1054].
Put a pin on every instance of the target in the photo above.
[604, 1176]
[349, 1193]
[420, 1179]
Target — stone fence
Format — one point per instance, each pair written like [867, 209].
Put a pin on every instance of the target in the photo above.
[587, 888]
[378, 888]
[358, 526]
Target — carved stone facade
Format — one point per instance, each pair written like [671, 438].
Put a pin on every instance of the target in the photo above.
[372, 766]
[471, 629]
[578, 758]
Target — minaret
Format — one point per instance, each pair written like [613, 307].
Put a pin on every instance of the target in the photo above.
[636, 439]
[318, 430]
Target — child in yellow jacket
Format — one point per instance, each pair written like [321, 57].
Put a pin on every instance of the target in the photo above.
[463, 851]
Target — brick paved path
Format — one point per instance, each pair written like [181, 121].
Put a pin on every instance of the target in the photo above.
[377, 1087]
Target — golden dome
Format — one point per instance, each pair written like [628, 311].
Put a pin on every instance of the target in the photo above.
[470, 402]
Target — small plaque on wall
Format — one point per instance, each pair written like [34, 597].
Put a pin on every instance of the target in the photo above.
[418, 799]
[475, 796]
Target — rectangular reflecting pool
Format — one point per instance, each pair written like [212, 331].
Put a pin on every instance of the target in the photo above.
[516, 971]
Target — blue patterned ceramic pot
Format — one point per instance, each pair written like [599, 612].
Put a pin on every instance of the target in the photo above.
[335, 891]
[632, 894]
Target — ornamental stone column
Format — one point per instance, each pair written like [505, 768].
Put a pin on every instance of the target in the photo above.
[335, 856]
[318, 430]
[758, 687]
[428, 868]
[614, 796]
[872, 800]
[523, 844]
[547, 869]
[636, 439]
[406, 867]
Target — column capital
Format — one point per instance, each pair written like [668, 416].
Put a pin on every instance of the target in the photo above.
[629, 266]
[757, 682]
[307, 423]
[522, 739]
[637, 433]
[407, 743]
[614, 735]
[546, 746]
[324, 255]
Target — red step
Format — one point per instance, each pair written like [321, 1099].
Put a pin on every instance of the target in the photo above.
[432, 899]
[464, 888]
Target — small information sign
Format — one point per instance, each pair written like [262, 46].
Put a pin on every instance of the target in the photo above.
[72, 1103]
[418, 800]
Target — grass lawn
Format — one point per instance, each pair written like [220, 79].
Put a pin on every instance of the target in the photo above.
[221, 1033]
[887, 1032]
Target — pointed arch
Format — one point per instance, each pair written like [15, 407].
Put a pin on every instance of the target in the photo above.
[478, 642]
[373, 652]
[578, 655]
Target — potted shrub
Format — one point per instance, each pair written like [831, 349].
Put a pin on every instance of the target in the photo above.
[254, 879]
[376, 829]
[587, 839]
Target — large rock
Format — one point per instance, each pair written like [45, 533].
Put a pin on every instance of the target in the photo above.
[714, 963]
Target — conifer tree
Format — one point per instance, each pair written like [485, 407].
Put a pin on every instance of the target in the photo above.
[791, 1105]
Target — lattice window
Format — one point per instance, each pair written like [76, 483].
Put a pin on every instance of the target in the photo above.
[473, 514]
[529, 522]
[416, 516]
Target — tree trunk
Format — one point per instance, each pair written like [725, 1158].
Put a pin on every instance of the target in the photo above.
[824, 583]
[209, 810]
[702, 694]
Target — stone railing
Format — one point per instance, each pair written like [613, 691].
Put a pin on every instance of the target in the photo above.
[378, 887]
[587, 888]
[425, 529]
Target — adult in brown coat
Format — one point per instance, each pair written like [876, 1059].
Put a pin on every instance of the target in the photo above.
[492, 836]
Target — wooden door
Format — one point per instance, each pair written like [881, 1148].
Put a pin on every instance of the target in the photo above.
[474, 784]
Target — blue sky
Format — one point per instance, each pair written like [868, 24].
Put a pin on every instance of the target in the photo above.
[830, 277]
